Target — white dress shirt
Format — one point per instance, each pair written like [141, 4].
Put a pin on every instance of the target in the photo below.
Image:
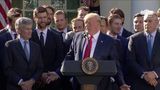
[22, 43]
[44, 34]
[12, 33]
[121, 31]
[94, 43]
[109, 34]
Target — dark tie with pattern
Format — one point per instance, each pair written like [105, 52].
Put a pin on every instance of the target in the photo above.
[42, 39]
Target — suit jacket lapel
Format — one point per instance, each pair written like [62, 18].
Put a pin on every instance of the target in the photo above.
[145, 49]
[31, 51]
[47, 38]
[20, 48]
[156, 44]
[9, 37]
[35, 37]
[81, 46]
[98, 46]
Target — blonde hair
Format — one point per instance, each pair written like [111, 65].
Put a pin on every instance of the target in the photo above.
[92, 15]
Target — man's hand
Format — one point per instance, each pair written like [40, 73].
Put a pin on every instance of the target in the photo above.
[27, 85]
[44, 77]
[125, 87]
[150, 77]
[52, 76]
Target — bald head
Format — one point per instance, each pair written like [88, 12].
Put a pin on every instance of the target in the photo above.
[92, 23]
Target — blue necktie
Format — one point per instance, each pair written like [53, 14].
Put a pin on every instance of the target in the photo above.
[26, 50]
[149, 42]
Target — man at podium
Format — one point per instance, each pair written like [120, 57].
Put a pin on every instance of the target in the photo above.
[94, 44]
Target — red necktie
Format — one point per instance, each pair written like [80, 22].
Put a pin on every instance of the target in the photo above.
[88, 48]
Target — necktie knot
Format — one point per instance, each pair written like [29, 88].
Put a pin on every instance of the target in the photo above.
[41, 34]
[15, 35]
[25, 42]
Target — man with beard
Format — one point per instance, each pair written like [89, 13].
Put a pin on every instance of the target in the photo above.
[51, 48]
[50, 11]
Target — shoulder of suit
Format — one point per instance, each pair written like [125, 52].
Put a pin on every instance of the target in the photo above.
[34, 44]
[106, 37]
[137, 35]
[11, 43]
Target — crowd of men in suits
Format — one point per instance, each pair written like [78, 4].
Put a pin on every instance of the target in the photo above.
[30, 58]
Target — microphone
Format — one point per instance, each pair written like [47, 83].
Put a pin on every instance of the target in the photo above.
[85, 34]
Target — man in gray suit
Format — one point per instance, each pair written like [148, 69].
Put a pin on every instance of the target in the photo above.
[22, 62]
[144, 55]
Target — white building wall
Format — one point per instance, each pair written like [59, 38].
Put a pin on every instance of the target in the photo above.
[130, 7]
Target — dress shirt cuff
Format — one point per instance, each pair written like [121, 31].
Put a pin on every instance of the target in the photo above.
[20, 81]
[55, 73]
[155, 74]
[142, 76]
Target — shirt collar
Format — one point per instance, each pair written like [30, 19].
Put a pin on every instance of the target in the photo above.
[22, 40]
[10, 31]
[153, 33]
[44, 31]
[121, 31]
[108, 33]
[95, 36]
[64, 30]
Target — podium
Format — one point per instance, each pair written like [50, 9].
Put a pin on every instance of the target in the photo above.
[89, 81]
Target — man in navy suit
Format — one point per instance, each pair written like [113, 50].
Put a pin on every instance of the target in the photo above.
[51, 48]
[8, 33]
[61, 23]
[115, 24]
[92, 43]
[144, 55]
[123, 32]
[22, 62]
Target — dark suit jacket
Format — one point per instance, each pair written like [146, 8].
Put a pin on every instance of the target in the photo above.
[3, 31]
[65, 43]
[16, 65]
[52, 54]
[126, 33]
[105, 50]
[138, 61]
[4, 36]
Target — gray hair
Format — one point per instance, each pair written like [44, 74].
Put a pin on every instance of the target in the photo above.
[22, 22]
[149, 13]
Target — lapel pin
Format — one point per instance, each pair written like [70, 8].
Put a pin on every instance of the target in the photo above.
[101, 41]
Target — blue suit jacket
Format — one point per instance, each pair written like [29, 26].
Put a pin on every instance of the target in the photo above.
[105, 50]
